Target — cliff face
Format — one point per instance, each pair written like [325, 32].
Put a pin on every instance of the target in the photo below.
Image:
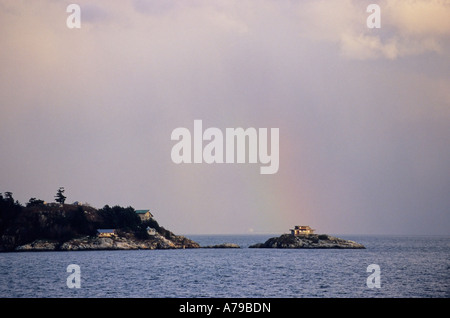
[307, 241]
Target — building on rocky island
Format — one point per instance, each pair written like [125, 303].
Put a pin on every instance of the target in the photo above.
[106, 232]
[302, 230]
[145, 215]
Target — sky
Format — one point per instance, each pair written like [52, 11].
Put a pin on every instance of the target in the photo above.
[363, 113]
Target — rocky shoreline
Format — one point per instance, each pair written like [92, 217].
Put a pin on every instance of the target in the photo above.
[109, 243]
[86, 243]
[308, 241]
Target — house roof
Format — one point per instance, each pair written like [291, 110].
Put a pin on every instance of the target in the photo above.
[105, 230]
[142, 211]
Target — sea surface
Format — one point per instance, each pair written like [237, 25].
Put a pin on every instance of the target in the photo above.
[409, 266]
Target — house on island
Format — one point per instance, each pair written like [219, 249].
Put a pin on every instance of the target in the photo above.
[302, 230]
[106, 232]
[145, 215]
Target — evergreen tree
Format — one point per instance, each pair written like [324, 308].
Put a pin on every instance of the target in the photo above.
[59, 197]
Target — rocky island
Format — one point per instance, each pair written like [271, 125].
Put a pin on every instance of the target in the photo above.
[307, 241]
[39, 226]
[223, 245]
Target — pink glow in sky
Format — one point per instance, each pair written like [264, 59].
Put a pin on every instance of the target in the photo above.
[363, 114]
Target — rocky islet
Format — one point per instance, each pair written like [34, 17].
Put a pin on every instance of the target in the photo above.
[308, 241]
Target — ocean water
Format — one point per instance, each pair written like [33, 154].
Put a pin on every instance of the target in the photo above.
[409, 266]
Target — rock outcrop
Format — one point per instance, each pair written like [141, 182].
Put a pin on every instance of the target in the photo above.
[38, 245]
[307, 241]
[223, 245]
[110, 243]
